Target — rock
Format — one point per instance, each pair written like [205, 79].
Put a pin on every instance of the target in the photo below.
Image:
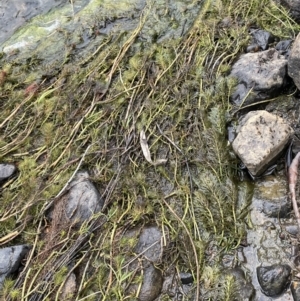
[261, 137]
[69, 288]
[262, 38]
[6, 171]
[260, 76]
[150, 244]
[186, 278]
[150, 249]
[283, 47]
[292, 229]
[152, 283]
[277, 208]
[83, 199]
[274, 279]
[10, 259]
[294, 62]
[244, 288]
[295, 288]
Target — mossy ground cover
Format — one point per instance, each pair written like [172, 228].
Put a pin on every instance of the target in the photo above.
[87, 110]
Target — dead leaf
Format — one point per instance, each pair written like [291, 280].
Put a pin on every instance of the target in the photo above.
[146, 151]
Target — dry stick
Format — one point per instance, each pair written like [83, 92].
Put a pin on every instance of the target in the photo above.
[292, 178]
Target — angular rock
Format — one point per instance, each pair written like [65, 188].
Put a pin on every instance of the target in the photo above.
[274, 279]
[6, 171]
[294, 62]
[260, 76]
[10, 259]
[261, 137]
[262, 38]
[83, 199]
[283, 47]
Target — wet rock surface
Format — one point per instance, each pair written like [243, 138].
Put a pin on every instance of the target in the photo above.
[294, 62]
[260, 76]
[10, 259]
[261, 137]
[14, 13]
[274, 279]
[268, 243]
[6, 171]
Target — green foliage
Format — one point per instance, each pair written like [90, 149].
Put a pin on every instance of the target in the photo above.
[151, 76]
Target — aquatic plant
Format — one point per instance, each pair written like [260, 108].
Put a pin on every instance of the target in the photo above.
[88, 111]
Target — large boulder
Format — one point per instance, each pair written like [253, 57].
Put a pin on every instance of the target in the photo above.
[260, 76]
[261, 137]
[294, 62]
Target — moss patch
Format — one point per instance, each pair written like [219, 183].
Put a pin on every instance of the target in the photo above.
[59, 102]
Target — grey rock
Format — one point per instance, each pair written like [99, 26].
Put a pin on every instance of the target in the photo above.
[294, 62]
[292, 229]
[83, 199]
[277, 207]
[274, 279]
[6, 171]
[152, 284]
[262, 38]
[10, 259]
[149, 249]
[283, 47]
[295, 288]
[260, 76]
[261, 137]
[150, 243]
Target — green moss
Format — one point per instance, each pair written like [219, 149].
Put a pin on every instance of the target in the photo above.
[159, 74]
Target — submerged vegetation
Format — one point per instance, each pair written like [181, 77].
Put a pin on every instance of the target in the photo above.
[87, 109]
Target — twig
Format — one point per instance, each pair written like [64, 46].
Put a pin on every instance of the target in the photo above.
[292, 178]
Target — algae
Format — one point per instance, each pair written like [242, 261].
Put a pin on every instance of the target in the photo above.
[79, 97]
